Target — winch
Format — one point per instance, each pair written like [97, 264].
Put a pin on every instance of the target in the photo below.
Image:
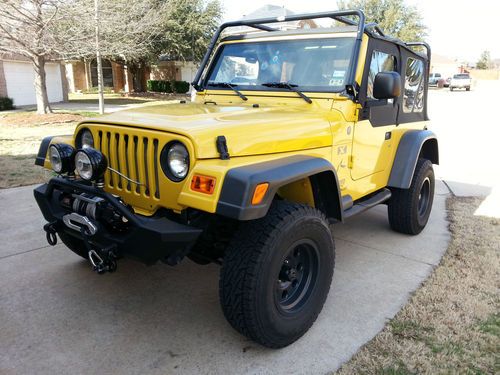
[87, 210]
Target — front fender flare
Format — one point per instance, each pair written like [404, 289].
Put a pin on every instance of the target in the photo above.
[239, 184]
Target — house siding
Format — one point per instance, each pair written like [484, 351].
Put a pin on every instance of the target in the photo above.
[80, 76]
[166, 71]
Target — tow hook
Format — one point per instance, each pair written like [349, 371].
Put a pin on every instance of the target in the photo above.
[102, 264]
[103, 260]
[50, 231]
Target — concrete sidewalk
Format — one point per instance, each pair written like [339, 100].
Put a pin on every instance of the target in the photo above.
[58, 317]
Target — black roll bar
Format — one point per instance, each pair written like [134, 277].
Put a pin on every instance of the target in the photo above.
[421, 44]
[339, 16]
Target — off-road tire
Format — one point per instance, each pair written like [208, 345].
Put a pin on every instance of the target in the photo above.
[409, 209]
[74, 244]
[467, 89]
[252, 272]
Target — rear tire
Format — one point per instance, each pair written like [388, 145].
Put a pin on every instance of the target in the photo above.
[409, 209]
[467, 89]
[277, 273]
[74, 244]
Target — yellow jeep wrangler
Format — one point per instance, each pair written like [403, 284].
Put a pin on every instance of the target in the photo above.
[288, 132]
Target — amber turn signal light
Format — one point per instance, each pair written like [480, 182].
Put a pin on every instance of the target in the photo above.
[259, 193]
[203, 184]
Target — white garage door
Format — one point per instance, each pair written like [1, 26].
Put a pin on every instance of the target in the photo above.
[20, 79]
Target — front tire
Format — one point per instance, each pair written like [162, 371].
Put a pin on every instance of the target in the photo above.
[409, 209]
[277, 273]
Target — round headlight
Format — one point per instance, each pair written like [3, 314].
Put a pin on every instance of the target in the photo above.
[84, 139]
[61, 158]
[90, 164]
[175, 161]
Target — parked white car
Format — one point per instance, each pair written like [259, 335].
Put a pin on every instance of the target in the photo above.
[460, 81]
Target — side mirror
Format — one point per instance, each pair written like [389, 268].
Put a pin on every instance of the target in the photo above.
[387, 85]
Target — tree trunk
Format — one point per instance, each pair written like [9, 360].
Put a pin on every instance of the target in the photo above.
[42, 99]
[100, 80]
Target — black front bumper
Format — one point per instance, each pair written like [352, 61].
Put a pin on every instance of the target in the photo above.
[147, 239]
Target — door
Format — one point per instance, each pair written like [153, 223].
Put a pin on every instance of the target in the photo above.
[372, 133]
[20, 80]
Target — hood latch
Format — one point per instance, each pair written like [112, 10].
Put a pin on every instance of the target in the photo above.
[222, 147]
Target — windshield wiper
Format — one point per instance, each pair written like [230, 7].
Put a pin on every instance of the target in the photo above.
[232, 87]
[289, 86]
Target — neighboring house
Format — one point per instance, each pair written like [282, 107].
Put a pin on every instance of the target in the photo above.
[168, 69]
[82, 75]
[444, 65]
[17, 80]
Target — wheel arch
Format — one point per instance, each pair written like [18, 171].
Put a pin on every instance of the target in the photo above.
[413, 145]
[284, 176]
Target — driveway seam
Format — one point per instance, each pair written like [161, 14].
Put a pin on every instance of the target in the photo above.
[386, 252]
[23, 252]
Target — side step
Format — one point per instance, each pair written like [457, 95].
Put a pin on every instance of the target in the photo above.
[363, 205]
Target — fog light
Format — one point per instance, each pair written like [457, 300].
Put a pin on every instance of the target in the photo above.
[61, 158]
[90, 164]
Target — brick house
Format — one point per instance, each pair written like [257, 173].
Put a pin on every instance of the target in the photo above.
[17, 80]
[82, 75]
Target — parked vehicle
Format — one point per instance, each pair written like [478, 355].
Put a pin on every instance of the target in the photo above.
[289, 132]
[434, 79]
[447, 82]
[460, 81]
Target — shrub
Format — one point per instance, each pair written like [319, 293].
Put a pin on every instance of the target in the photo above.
[6, 104]
[179, 87]
[159, 86]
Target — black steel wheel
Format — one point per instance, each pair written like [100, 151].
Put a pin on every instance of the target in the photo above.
[409, 209]
[297, 276]
[276, 274]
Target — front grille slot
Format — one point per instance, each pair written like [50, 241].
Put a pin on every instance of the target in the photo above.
[133, 156]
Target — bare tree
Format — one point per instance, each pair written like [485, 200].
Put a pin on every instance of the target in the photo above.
[26, 29]
[131, 31]
[114, 29]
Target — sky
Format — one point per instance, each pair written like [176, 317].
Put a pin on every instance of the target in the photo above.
[459, 29]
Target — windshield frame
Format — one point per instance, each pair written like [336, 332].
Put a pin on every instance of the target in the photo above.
[338, 89]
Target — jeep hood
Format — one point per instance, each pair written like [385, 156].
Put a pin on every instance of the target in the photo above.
[248, 130]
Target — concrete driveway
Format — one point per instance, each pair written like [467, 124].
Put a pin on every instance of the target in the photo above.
[58, 317]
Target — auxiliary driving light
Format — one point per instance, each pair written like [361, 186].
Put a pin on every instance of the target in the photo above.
[90, 164]
[61, 158]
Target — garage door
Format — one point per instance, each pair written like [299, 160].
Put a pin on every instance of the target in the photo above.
[20, 78]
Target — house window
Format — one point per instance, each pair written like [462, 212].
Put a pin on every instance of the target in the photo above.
[381, 62]
[413, 100]
[107, 73]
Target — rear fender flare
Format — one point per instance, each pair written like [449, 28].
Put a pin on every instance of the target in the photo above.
[413, 145]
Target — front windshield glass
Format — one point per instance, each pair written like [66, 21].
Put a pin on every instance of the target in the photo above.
[312, 65]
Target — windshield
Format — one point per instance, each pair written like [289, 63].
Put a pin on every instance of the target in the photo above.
[312, 65]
